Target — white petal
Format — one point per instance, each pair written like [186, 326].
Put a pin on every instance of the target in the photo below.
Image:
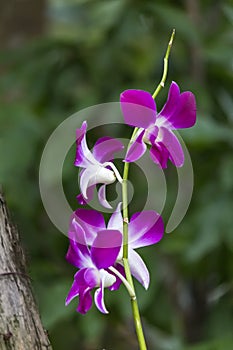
[87, 152]
[138, 268]
[102, 197]
[85, 178]
[103, 175]
[116, 220]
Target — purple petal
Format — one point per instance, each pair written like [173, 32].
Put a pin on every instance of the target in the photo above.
[76, 232]
[85, 301]
[116, 285]
[172, 100]
[102, 197]
[79, 283]
[138, 108]
[85, 280]
[180, 109]
[138, 268]
[91, 221]
[116, 221]
[105, 248]
[105, 148]
[84, 157]
[137, 149]
[74, 292]
[90, 194]
[159, 154]
[185, 115]
[74, 255]
[173, 146]
[99, 298]
[81, 200]
[81, 132]
[91, 277]
[78, 252]
[145, 228]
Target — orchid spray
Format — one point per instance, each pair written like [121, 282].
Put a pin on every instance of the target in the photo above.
[105, 253]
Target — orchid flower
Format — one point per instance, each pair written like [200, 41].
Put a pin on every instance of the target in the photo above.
[93, 264]
[145, 228]
[96, 165]
[139, 110]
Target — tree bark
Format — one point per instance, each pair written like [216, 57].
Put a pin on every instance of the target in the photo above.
[20, 324]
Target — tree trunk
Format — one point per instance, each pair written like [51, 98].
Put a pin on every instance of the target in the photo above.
[20, 324]
[21, 20]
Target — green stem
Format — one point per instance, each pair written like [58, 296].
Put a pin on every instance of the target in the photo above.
[134, 304]
[165, 66]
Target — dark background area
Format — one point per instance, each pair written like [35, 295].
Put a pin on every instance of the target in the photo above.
[57, 57]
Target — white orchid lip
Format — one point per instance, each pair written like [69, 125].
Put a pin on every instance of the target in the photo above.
[95, 174]
[109, 279]
[103, 175]
[146, 137]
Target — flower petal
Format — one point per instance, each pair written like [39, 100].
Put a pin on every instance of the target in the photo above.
[74, 292]
[116, 221]
[85, 301]
[90, 194]
[159, 154]
[185, 114]
[105, 148]
[78, 252]
[138, 268]
[145, 228]
[102, 197]
[84, 157]
[91, 221]
[79, 283]
[87, 180]
[99, 297]
[179, 111]
[137, 149]
[151, 134]
[91, 277]
[138, 108]
[75, 256]
[172, 144]
[171, 103]
[93, 175]
[105, 248]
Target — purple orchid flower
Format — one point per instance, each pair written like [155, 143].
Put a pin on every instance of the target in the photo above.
[97, 166]
[93, 264]
[139, 110]
[145, 228]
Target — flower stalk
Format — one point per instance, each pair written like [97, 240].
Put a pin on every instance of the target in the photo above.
[165, 66]
[134, 304]
[104, 253]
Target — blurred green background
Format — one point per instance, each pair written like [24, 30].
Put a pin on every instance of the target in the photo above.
[59, 56]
